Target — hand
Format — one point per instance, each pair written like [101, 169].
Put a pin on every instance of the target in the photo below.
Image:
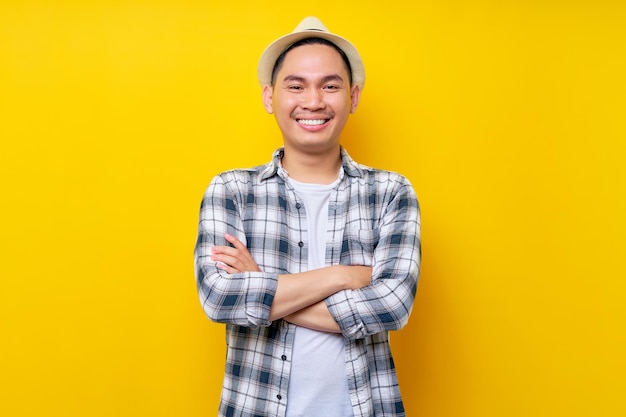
[234, 259]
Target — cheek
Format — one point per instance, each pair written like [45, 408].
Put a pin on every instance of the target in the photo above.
[283, 105]
[344, 102]
[342, 107]
[283, 118]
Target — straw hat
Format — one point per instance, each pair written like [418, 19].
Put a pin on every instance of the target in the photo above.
[310, 27]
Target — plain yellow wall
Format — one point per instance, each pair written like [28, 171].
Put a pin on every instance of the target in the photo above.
[507, 116]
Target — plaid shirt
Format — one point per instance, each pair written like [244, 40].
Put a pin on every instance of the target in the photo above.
[373, 220]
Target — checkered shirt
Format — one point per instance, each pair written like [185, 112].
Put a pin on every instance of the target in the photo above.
[374, 220]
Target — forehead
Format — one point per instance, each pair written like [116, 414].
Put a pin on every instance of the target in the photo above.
[314, 58]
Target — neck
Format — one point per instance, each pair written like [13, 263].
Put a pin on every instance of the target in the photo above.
[314, 169]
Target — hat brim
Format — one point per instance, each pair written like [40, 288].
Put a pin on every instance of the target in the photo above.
[273, 51]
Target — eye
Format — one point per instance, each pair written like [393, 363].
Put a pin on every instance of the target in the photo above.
[294, 87]
[331, 87]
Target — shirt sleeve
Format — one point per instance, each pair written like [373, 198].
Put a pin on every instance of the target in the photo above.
[387, 302]
[242, 299]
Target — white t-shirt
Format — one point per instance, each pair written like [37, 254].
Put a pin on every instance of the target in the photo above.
[318, 385]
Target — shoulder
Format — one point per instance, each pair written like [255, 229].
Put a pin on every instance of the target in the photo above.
[251, 175]
[385, 188]
[242, 184]
[241, 175]
[382, 177]
[374, 176]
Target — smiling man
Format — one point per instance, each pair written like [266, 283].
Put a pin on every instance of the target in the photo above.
[311, 259]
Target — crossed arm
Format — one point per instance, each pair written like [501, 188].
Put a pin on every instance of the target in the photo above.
[299, 297]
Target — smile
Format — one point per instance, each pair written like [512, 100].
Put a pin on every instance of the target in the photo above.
[312, 122]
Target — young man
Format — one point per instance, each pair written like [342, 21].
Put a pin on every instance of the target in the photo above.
[311, 258]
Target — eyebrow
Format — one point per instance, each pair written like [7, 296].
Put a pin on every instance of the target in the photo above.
[325, 79]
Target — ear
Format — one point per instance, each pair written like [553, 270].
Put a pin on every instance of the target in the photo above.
[355, 95]
[267, 99]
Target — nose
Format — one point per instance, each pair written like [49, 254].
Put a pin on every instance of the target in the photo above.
[312, 99]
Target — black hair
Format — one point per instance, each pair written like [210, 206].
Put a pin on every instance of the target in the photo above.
[310, 41]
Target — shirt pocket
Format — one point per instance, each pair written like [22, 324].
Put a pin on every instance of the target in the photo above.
[361, 246]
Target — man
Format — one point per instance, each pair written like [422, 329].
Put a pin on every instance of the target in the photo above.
[311, 258]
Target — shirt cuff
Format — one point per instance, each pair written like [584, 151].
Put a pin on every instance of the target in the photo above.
[343, 309]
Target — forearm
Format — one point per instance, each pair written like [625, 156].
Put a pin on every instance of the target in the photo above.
[295, 292]
[292, 292]
[316, 317]
[298, 291]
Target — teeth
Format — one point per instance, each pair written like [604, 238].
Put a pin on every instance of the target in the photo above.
[309, 122]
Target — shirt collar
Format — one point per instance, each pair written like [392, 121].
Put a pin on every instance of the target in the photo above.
[350, 167]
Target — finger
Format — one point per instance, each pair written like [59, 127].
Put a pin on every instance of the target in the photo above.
[225, 251]
[239, 263]
[242, 253]
[235, 242]
[240, 260]
[230, 255]
[218, 256]
[237, 257]
[226, 268]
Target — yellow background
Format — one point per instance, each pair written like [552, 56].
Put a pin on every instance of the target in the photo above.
[508, 117]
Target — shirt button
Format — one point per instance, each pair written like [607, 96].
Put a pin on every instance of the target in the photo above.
[280, 397]
[301, 244]
[284, 357]
[298, 206]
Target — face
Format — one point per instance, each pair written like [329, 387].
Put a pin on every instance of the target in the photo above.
[311, 98]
